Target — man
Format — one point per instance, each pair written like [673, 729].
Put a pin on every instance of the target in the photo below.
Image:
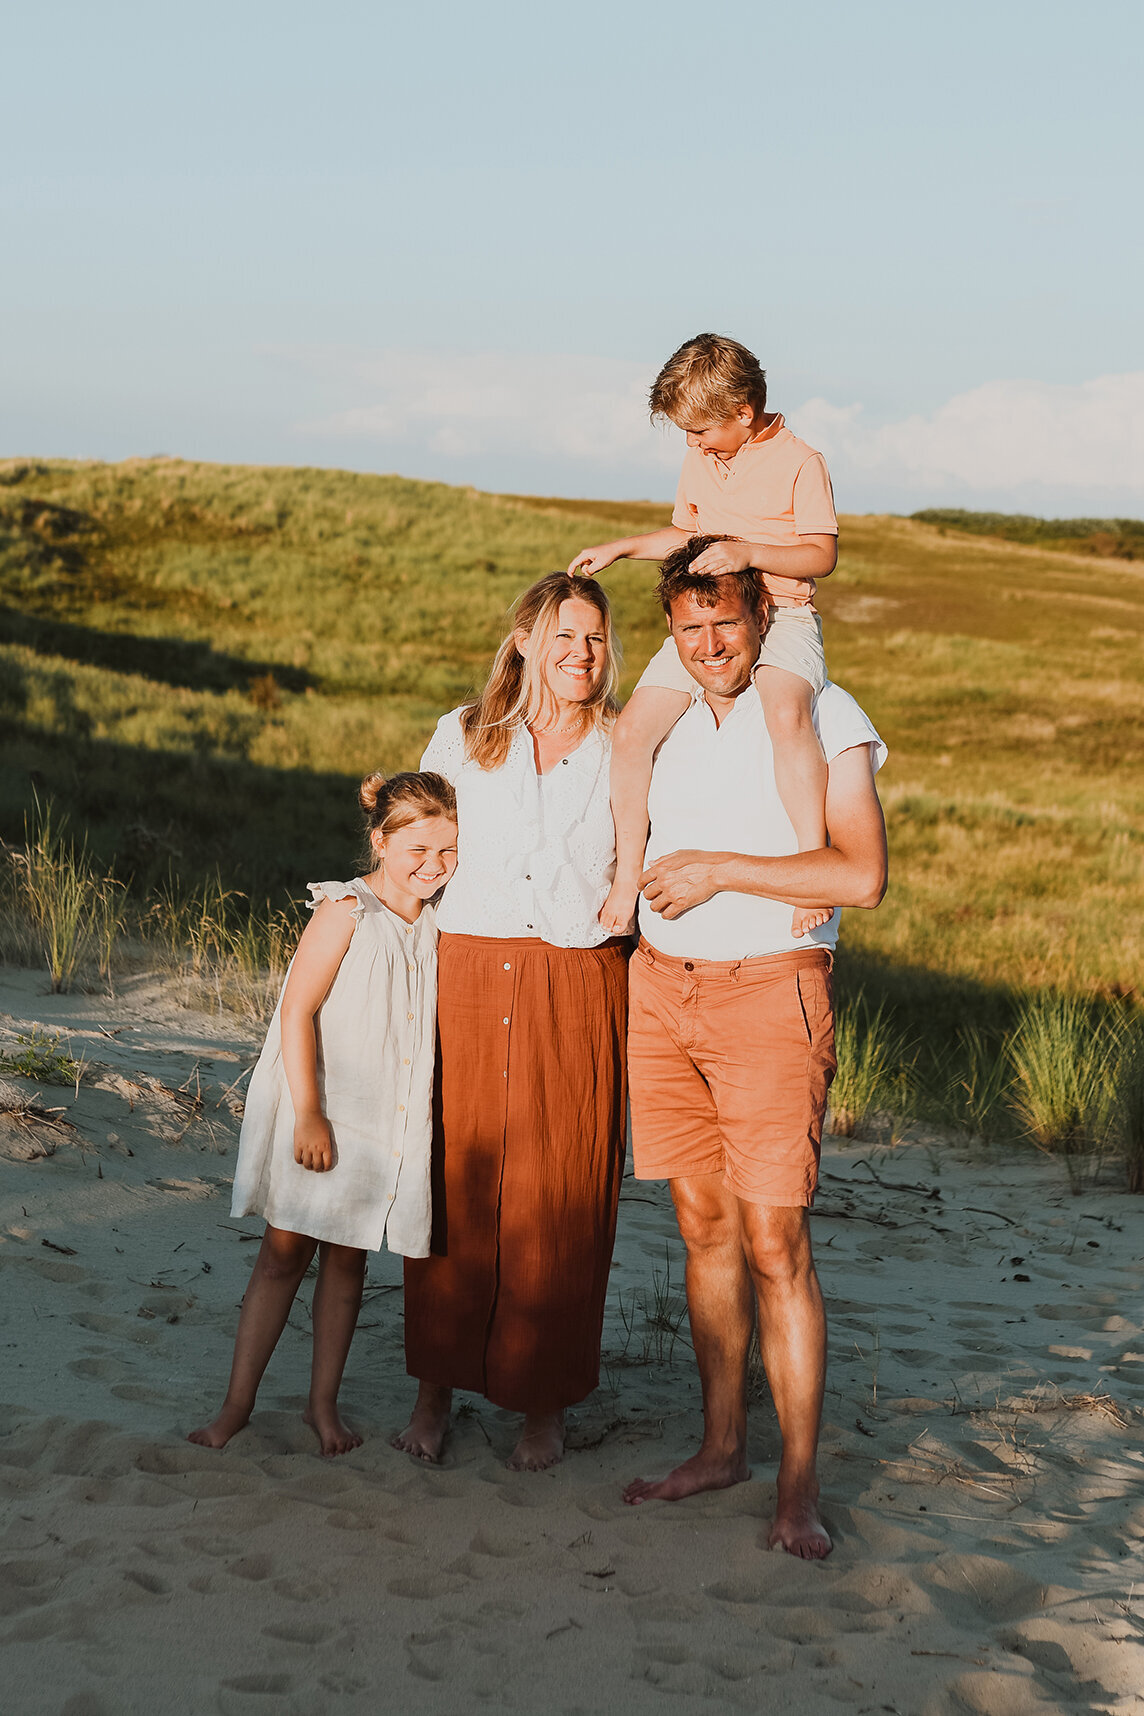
[731, 1031]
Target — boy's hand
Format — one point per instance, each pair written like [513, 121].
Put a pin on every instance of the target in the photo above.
[313, 1145]
[589, 561]
[721, 558]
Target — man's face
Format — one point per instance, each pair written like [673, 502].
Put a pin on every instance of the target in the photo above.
[719, 645]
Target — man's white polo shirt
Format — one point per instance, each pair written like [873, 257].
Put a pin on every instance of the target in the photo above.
[713, 790]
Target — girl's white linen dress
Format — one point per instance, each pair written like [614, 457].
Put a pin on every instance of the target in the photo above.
[375, 1034]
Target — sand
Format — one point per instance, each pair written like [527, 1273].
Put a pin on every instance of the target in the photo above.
[983, 1450]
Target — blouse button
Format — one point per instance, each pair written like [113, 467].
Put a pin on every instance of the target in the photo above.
[528, 926]
[564, 760]
[528, 878]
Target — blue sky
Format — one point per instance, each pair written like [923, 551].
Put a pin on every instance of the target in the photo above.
[458, 241]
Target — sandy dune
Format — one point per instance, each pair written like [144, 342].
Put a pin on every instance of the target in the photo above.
[990, 1524]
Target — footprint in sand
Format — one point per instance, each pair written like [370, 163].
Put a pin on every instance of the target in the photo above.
[258, 1695]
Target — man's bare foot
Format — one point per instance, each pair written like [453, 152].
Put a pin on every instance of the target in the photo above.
[618, 913]
[541, 1443]
[810, 917]
[798, 1528]
[218, 1433]
[333, 1436]
[424, 1435]
[702, 1472]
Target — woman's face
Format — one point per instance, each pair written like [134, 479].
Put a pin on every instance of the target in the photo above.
[577, 658]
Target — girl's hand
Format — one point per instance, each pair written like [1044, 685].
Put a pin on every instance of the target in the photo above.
[313, 1145]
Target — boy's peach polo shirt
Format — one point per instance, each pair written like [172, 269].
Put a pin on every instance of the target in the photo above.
[773, 491]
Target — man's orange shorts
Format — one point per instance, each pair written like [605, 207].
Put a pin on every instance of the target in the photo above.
[729, 1064]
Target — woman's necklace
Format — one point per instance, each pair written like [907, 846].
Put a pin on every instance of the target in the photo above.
[551, 732]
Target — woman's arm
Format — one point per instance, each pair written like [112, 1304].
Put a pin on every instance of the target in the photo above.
[320, 953]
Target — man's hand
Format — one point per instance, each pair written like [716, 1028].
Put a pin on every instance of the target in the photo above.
[313, 1146]
[721, 558]
[675, 883]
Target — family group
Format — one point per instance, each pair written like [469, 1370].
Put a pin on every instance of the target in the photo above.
[568, 907]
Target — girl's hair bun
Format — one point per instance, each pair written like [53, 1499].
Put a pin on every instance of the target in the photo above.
[370, 791]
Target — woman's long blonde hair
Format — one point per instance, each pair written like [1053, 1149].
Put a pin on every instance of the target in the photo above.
[516, 693]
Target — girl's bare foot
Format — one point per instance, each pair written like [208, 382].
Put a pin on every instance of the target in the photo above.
[541, 1443]
[810, 917]
[424, 1435]
[333, 1436]
[218, 1433]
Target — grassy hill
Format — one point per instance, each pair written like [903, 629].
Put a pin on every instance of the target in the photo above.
[197, 662]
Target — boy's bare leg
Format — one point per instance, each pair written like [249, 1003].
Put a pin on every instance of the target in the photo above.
[792, 1338]
[800, 769]
[541, 1443]
[649, 716]
[424, 1435]
[282, 1260]
[337, 1301]
[720, 1304]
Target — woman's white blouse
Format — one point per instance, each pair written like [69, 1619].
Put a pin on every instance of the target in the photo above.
[536, 853]
[375, 1038]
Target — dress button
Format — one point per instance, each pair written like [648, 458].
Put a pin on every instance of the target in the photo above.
[409, 929]
[401, 1108]
[507, 966]
[687, 965]
[405, 1063]
[409, 1016]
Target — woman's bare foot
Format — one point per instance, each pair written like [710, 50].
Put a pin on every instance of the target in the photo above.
[333, 1436]
[798, 1528]
[704, 1471]
[218, 1433]
[424, 1435]
[541, 1443]
[810, 917]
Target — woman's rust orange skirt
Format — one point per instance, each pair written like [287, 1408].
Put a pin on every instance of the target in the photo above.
[528, 1152]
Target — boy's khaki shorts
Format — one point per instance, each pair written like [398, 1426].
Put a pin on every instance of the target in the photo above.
[729, 1065]
[793, 642]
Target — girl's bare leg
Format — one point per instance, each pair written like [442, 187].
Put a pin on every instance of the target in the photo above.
[282, 1260]
[424, 1435]
[337, 1301]
[651, 713]
[800, 769]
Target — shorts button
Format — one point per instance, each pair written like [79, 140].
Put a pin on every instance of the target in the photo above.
[687, 965]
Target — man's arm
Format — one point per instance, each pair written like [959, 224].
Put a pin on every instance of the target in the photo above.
[851, 871]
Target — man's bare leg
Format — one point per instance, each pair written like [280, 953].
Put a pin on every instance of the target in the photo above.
[719, 1303]
[792, 1337]
[424, 1435]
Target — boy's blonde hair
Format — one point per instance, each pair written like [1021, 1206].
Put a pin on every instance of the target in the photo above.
[709, 379]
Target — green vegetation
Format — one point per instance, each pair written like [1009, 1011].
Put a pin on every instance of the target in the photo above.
[198, 662]
[1117, 538]
[41, 1058]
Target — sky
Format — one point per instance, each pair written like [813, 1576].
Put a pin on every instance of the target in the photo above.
[458, 241]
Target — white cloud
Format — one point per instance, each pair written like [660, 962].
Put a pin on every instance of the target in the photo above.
[586, 410]
[1049, 446]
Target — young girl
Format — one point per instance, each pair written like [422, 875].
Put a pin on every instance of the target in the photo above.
[335, 1141]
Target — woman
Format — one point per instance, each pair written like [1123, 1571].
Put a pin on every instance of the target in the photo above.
[532, 1014]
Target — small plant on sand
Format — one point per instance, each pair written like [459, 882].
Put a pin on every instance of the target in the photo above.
[75, 912]
[41, 1058]
[874, 1067]
[654, 1315]
[1062, 1093]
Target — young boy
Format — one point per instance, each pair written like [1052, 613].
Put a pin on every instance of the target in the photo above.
[748, 479]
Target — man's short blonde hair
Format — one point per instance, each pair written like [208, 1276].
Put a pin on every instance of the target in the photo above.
[709, 379]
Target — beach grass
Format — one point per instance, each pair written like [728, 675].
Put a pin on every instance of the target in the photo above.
[197, 663]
